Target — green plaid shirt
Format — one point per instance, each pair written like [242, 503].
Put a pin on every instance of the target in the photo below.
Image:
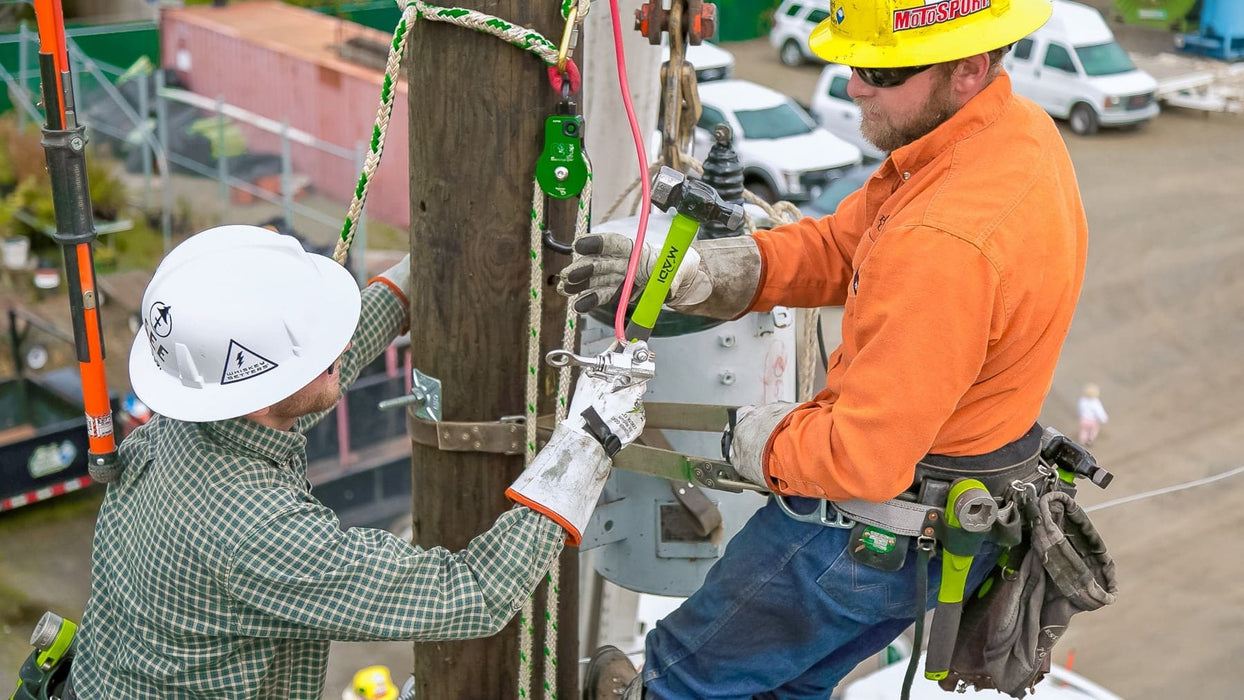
[216, 573]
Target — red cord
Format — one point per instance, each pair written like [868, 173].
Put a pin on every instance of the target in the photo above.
[628, 284]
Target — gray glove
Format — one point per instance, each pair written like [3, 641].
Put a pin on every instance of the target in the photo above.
[751, 434]
[398, 276]
[564, 481]
[717, 278]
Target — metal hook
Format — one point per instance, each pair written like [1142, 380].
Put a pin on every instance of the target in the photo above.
[555, 245]
[565, 358]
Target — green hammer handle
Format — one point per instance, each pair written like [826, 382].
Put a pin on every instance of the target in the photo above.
[955, 567]
[682, 232]
[945, 628]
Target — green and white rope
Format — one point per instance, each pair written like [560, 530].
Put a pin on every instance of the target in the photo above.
[522, 37]
[535, 304]
[397, 49]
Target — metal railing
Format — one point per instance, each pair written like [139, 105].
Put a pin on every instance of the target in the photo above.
[143, 124]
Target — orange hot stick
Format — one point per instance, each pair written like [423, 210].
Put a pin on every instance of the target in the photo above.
[64, 143]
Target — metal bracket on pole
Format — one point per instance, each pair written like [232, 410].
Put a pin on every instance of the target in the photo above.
[425, 392]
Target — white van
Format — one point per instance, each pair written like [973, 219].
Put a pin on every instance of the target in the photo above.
[1075, 70]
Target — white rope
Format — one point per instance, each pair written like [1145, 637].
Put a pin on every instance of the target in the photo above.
[535, 244]
[387, 90]
[1159, 492]
[522, 37]
[535, 303]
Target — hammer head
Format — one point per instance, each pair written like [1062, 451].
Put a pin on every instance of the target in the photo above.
[693, 198]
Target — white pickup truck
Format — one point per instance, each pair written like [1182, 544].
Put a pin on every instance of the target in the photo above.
[784, 154]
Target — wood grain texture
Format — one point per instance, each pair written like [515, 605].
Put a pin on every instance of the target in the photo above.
[477, 110]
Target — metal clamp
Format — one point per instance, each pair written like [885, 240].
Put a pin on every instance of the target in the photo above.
[818, 516]
[623, 367]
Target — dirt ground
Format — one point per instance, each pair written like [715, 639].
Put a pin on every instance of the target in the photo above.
[1159, 328]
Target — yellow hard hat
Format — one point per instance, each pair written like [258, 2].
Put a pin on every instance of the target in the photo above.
[374, 683]
[900, 33]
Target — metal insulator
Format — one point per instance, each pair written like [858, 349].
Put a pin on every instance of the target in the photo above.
[724, 172]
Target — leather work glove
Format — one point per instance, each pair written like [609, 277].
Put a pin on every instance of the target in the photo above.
[751, 433]
[717, 278]
[397, 278]
[565, 479]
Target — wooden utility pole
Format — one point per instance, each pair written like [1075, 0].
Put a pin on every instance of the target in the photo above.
[477, 111]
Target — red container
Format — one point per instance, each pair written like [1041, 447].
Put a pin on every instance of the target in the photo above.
[279, 62]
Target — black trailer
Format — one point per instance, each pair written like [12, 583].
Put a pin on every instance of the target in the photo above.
[42, 438]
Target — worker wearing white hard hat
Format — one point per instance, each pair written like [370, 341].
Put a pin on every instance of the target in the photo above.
[216, 572]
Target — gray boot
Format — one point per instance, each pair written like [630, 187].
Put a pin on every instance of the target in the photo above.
[611, 676]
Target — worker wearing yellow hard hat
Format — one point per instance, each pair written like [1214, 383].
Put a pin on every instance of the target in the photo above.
[957, 265]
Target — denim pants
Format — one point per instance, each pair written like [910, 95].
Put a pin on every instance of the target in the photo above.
[785, 613]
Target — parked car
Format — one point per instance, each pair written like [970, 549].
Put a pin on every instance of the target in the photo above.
[837, 113]
[784, 154]
[1075, 70]
[711, 62]
[826, 202]
[793, 22]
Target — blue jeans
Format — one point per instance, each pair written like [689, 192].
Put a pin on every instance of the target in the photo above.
[785, 613]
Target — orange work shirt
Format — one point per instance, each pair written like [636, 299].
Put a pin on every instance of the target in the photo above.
[958, 266]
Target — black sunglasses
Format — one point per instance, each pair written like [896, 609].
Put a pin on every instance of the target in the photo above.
[888, 77]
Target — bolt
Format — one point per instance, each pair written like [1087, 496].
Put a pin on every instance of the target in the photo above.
[726, 377]
[561, 172]
[641, 355]
[727, 341]
[76, 143]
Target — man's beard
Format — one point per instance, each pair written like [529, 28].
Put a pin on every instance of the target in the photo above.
[888, 136]
[297, 406]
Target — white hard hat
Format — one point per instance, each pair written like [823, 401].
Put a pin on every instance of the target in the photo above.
[236, 319]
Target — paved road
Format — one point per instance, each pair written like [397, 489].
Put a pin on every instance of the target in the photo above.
[1159, 327]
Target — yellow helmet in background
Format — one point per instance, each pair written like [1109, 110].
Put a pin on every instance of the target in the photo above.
[901, 33]
[374, 683]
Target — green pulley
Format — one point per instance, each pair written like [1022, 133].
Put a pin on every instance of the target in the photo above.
[562, 168]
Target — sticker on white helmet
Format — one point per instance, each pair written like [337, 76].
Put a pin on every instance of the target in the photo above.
[160, 316]
[242, 363]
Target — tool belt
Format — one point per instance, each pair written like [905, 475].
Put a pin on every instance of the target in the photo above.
[1054, 563]
[1015, 464]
